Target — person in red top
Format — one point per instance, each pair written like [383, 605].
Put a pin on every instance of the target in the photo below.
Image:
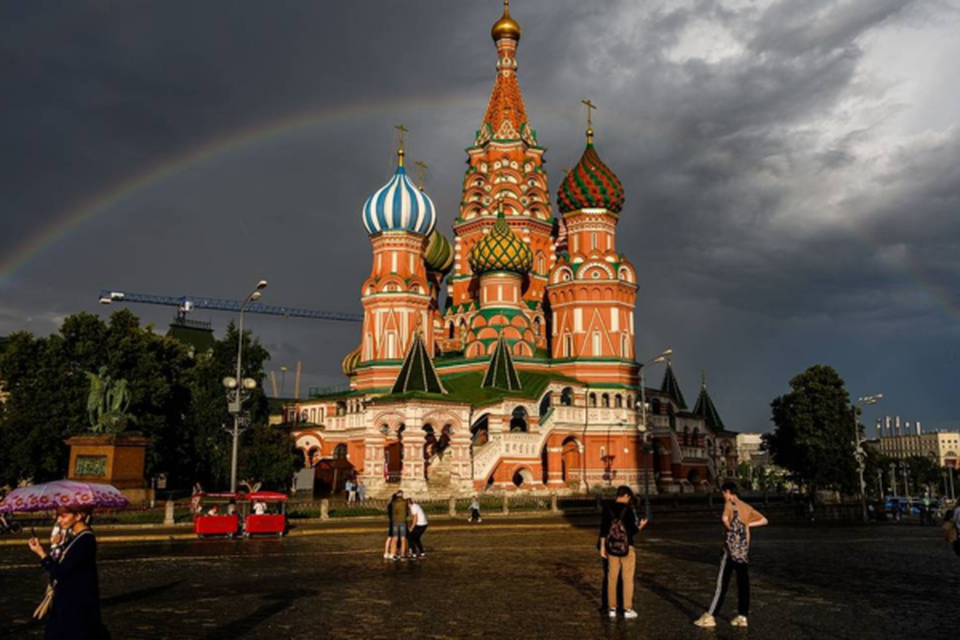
[738, 519]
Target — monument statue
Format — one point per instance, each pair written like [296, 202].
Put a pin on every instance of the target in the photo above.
[108, 403]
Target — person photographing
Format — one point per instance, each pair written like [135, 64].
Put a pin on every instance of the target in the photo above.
[74, 611]
[618, 527]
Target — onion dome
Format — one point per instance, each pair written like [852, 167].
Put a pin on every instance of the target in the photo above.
[501, 250]
[350, 362]
[506, 27]
[591, 185]
[399, 206]
[438, 255]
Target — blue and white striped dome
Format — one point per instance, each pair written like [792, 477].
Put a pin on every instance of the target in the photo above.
[399, 206]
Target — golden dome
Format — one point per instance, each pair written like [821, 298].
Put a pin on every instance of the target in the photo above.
[506, 27]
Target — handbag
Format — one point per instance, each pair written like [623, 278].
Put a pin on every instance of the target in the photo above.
[949, 531]
[44, 607]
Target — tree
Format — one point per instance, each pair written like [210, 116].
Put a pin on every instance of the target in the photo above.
[269, 457]
[745, 476]
[924, 474]
[814, 433]
[48, 391]
[208, 448]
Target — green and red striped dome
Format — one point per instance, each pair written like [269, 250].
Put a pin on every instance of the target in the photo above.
[591, 185]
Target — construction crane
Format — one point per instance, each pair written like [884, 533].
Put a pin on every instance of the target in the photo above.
[186, 304]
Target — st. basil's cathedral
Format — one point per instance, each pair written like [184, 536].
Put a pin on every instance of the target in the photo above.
[526, 378]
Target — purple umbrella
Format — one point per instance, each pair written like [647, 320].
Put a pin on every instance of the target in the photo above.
[63, 493]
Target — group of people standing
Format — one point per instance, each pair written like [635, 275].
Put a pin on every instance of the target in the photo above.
[356, 491]
[620, 524]
[408, 523]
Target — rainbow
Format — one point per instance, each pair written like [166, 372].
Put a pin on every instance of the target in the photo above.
[102, 201]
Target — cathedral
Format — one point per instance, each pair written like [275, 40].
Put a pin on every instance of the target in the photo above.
[525, 378]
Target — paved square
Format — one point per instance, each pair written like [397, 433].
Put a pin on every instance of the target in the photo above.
[511, 580]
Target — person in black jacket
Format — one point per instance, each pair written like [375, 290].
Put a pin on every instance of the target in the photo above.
[620, 564]
[75, 613]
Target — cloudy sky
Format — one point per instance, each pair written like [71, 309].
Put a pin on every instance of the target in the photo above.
[792, 168]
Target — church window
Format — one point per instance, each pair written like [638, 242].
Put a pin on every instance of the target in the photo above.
[596, 343]
[340, 452]
[614, 319]
[605, 400]
[593, 399]
[566, 397]
[393, 261]
[593, 241]
[618, 401]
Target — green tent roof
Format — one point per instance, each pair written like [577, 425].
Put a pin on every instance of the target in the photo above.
[671, 387]
[418, 373]
[706, 409]
[501, 374]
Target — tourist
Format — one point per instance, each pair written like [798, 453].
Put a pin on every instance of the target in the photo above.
[475, 510]
[259, 508]
[350, 489]
[195, 497]
[618, 527]
[74, 611]
[738, 519]
[399, 514]
[361, 492]
[418, 525]
[388, 543]
[214, 511]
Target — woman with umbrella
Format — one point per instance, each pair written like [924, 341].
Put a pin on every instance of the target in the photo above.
[75, 611]
[75, 587]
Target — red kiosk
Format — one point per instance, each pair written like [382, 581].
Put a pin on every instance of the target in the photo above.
[272, 520]
[219, 523]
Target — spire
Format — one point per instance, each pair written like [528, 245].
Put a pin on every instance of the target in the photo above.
[501, 374]
[671, 387]
[417, 373]
[706, 409]
[506, 116]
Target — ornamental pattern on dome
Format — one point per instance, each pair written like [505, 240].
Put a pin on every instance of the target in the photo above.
[438, 255]
[501, 250]
[591, 185]
[350, 362]
[399, 206]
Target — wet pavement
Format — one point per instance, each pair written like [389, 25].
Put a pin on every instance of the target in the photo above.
[511, 580]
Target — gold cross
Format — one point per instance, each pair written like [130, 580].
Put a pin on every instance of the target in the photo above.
[590, 108]
[400, 131]
[421, 173]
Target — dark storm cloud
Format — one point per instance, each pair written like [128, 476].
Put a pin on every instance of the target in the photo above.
[771, 229]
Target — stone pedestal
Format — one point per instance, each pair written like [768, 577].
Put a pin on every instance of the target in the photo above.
[111, 459]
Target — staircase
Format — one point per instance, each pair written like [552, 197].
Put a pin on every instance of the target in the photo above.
[438, 471]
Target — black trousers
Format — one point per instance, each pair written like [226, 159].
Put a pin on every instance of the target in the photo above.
[414, 539]
[727, 567]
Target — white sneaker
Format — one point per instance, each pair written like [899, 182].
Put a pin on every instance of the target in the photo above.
[706, 621]
[630, 614]
[612, 613]
[739, 621]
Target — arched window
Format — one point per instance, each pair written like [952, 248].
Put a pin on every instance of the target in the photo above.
[340, 452]
[618, 401]
[605, 400]
[593, 399]
[545, 403]
[518, 421]
[629, 402]
[566, 397]
[451, 331]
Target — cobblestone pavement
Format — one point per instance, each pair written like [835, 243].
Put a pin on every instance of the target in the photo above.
[512, 580]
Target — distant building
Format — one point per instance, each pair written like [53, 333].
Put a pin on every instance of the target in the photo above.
[749, 450]
[901, 440]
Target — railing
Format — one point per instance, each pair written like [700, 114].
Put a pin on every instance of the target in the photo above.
[316, 392]
[595, 415]
[486, 457]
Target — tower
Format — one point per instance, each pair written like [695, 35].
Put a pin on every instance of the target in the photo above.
[505, 169]
[593, 288]
[396, 297]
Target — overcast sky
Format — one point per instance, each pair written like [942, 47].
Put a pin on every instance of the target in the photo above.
[792, 168]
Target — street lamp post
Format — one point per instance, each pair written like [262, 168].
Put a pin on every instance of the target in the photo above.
[645, 436]
[239, 388]
[893, 478]
[858, 451]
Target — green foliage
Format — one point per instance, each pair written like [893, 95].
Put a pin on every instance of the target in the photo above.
[745, 475]
[814, 433]
[178, 401]
[923, 472]
[268, 457]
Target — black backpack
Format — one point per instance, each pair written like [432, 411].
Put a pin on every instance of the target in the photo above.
[618, 542]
